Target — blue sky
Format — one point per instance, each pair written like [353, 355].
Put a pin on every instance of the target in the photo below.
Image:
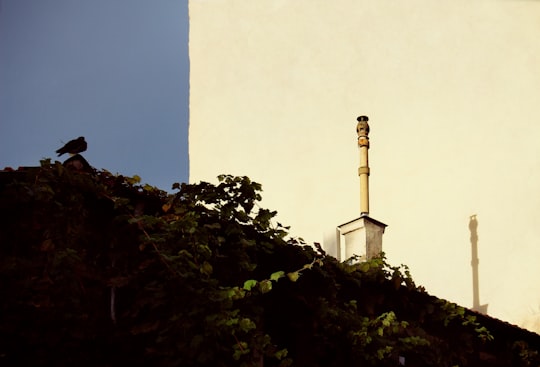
[114, 71]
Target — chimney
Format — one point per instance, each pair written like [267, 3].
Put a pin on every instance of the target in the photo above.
[362, 129]
[361, 237]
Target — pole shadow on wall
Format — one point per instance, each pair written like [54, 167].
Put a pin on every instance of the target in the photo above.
[473, 227]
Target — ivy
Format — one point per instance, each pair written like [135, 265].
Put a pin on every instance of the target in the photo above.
[99, 269]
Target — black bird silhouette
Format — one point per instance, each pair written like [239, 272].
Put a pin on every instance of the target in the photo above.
[74, 146]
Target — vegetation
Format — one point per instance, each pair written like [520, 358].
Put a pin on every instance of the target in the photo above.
[99, 270]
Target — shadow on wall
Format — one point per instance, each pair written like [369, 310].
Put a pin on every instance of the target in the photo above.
[473, 228]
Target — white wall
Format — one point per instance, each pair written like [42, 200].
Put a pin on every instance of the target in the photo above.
[452, 90]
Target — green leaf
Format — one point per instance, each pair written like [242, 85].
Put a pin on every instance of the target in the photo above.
[293, 277]
[265, 286]
[364, 267]
[277, 275]
[133, 180]
[246, 324]
[248, 284]
[235, 293]
[280, 354]
[240, 349]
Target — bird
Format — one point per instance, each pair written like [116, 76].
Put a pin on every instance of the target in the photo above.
[73, 147]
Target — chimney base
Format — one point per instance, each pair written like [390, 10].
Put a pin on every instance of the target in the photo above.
[361, 237]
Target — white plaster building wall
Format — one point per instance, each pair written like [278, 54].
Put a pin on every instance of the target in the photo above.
[452, 90]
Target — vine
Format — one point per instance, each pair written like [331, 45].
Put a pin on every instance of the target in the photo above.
[99, 269]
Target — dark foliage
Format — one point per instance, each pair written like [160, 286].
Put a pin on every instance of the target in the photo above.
[98, 270]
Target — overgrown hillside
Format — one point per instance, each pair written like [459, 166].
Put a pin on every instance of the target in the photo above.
[98, 270]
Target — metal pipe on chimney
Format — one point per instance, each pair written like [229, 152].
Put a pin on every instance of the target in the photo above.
[362, 129]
